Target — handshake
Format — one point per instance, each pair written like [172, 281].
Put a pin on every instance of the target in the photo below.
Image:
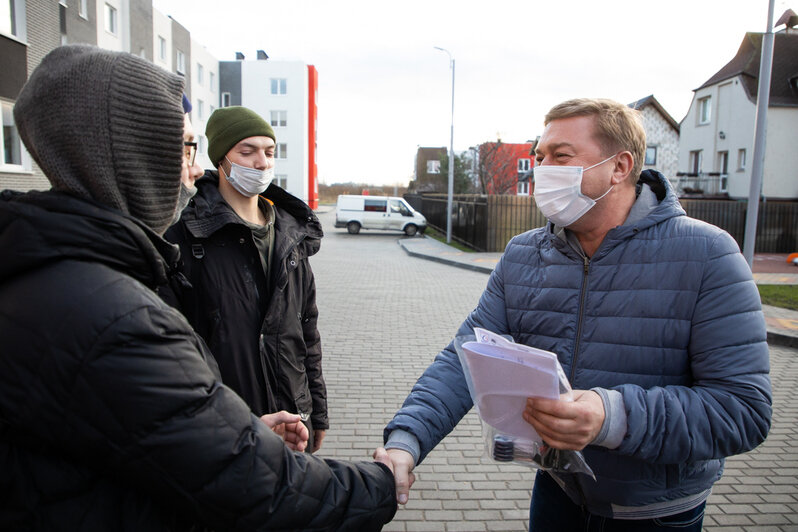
[295, 435]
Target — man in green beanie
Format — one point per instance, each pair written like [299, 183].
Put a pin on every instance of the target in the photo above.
[245, 245]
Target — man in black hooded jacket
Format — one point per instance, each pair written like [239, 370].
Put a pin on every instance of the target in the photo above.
[112, 412]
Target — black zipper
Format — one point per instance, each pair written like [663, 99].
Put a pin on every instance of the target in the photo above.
[582, 295]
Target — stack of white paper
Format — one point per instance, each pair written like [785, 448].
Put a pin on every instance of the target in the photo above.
[503, 375]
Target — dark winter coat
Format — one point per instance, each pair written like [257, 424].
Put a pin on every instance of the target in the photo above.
[262, 331]
[111, 417]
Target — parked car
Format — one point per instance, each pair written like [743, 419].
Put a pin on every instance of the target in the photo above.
[378, 212]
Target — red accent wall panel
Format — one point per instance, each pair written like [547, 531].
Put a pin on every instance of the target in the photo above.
[313, 178]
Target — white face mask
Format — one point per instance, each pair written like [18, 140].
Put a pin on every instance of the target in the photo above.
[249, 181]
[558, 193]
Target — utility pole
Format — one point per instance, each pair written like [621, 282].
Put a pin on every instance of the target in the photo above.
[760, 132]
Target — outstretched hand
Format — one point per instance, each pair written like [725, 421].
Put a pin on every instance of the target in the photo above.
[401, 463]
[289, 427]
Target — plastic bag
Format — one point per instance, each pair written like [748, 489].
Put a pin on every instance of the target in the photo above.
[507, 437]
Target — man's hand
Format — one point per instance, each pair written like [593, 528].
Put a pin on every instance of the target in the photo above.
[318, 437]
[402, 464]
[566, 424]
[289, 427]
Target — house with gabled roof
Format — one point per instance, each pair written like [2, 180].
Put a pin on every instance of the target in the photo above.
[717, 134]
[662, 137]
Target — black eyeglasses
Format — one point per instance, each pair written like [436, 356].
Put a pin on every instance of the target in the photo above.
[190, 152]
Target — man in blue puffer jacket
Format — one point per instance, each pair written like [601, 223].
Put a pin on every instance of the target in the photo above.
[655, 319]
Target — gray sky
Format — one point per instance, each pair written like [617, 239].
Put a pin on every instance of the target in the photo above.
[384, 90]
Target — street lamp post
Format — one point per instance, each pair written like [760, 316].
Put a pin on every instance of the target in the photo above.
[451, 157]
[760, 129]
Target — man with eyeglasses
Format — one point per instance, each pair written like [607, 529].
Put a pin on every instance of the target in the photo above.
[113, 415]
[654, 317]
[245, 245]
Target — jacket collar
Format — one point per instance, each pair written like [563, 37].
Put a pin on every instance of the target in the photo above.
[46, 227]
[295, 221]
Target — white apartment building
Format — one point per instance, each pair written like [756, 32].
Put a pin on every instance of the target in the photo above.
[204, 96]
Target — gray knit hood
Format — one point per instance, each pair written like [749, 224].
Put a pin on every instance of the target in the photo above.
[106, 126]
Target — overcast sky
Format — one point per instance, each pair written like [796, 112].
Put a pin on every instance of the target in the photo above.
[384, 90]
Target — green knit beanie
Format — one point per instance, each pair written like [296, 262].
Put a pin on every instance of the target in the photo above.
[228, 126]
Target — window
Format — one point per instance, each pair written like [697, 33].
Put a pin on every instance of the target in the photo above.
[202, 144]
[83, 10]
[523, 166]
[399, 207]
[281, 151]
[200, 74]
[211, 81]
[181, 62]
[9, 137]
[110, 19]
[695, 162]
[161, 48]
[8, 17]
[741, 159]
[280, 180]
[651, 155]
[704, 110]
[278, 85]
[279, 118]
[200, 110]
[225, 99]
[375, 205]
[523, 188]
[433, 167]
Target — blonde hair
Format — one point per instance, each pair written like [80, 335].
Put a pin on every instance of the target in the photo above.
[618, 127]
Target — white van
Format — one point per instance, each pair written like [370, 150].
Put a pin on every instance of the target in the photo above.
[378, 212]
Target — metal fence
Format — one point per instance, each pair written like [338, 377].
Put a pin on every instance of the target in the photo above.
[487, 223]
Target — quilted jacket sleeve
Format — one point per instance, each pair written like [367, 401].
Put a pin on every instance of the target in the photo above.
[143, 405]
[440, 397]
[727, 409]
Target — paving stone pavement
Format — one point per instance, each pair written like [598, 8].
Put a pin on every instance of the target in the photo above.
[384, 315]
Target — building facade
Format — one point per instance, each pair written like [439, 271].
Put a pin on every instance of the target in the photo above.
[29, 29]
[717, 135]
[285, 94]
[662, 138]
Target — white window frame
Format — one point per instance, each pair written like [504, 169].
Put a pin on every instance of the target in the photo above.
[523, 166]
[278, 86]
[8, 24]
[646, 157]
[7, 108]
[161, 48]
[281, 150]
[111, 19]
[83, 9]
[181, 62]
[226, 99]
[741, 160]
[200, 109]
[704, 110]
[433, 166]
[523, 188]
[280, 180]
[696, 162]
[200, 73]
[212, 81]
[279, 118]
